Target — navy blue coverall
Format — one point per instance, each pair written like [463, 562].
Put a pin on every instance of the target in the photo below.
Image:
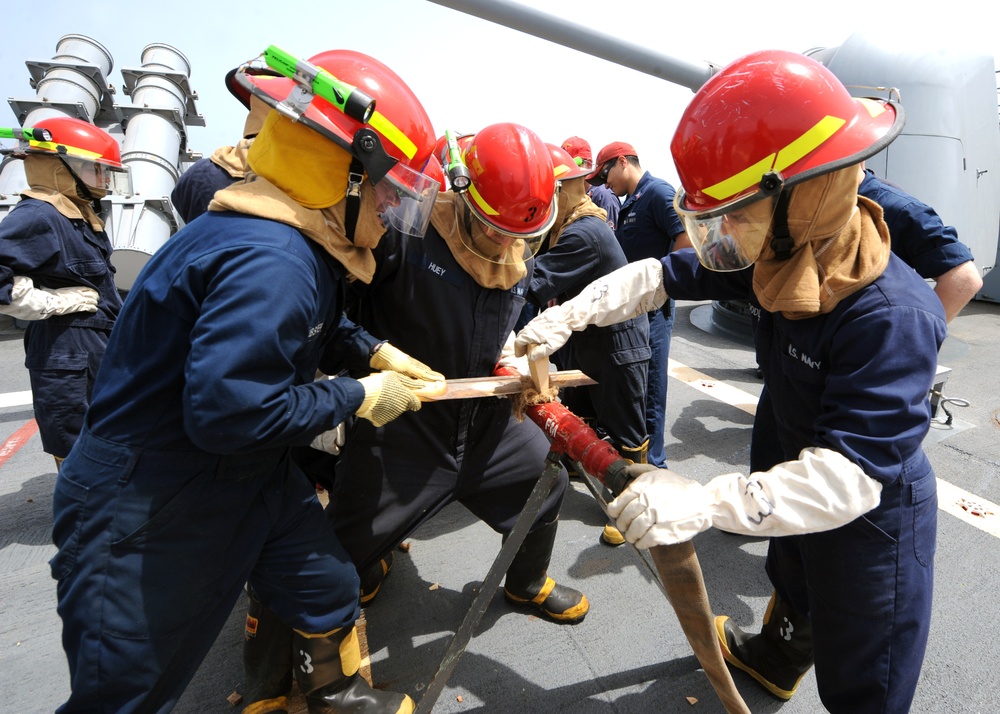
[62, 353]
[393, 478]
[647, 228]
[855, 380]
[617, 357]
[180, 488]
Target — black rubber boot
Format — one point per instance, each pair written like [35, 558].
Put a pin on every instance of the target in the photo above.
[267, 660]
[777, 657]
[371, 579]
[637, 455]
[528, 582]
[326, 668]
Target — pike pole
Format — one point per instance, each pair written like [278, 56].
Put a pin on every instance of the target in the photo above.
[677, 565]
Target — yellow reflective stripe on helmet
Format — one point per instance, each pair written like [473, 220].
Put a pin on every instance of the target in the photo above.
[71, 150]
[744, 179]
[811, 140]
[389, 130]
[808, 142]
[486, 208]
[560, 170]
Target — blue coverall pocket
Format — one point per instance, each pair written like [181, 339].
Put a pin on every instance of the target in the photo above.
[88, 268]
[924, 502]
[68, 503]
[852, 569]
[626, 347]
[168, 546]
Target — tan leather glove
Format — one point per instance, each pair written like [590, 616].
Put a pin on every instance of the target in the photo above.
[30, 303]
[390, 358]
[387, 395]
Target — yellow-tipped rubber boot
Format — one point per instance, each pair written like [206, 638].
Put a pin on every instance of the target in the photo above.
[637, 455]
[267, 660]
[326, 668]
[779, 656]
[529, 585]
[371, 579]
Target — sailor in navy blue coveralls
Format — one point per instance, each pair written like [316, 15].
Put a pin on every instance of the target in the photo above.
[183, 422]
[647, 228]
[393, 478]
[834, 379]
[62, 353]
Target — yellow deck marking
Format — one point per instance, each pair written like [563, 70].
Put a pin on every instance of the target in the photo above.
[712, 387]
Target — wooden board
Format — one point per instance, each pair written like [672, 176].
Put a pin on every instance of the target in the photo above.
[472, 387]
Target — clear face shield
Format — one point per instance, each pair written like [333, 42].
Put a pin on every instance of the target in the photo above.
[730, 237]
[404, 200]
[503, 247]
[99, 178]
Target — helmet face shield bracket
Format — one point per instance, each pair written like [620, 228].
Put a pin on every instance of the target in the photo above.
[368, 149]
[316, 80]
[366, 145]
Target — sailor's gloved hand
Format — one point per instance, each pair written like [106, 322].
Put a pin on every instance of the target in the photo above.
[544, 334]
[661, 507]
[387, 395]
[330, 441]
[819, 491]
[630, 291]
[30, 303]
[388, 357]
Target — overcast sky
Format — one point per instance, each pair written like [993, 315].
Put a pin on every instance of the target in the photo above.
[469, 72]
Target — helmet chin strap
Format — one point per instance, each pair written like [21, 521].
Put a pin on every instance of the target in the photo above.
[782, 241]
[355, 176]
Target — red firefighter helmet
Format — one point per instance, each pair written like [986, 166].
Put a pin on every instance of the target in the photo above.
[513, 183]
[76, 137]
[399, 121]
[564, 165]
[773, 111]
[766, 122]
[91, 153]
[392, 144]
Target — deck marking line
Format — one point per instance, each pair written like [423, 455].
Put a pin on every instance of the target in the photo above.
[16, 440]
[15, 399]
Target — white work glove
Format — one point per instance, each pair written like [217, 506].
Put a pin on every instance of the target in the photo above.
[387, 357]
[630, 291]
[330, 441]
[387, 395]
[30, 303]
[820, 491]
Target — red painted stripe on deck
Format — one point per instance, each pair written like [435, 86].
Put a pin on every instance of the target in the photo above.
[18, 439]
